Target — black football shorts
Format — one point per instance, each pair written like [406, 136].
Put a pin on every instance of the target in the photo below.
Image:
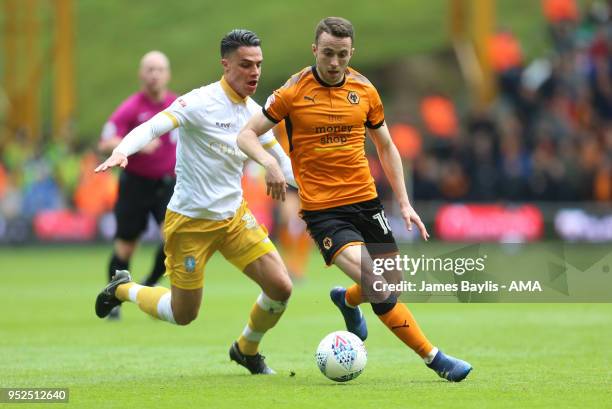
[338, 227]
[139, 197]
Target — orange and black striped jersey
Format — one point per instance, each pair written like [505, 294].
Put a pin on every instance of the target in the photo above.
[326, 127]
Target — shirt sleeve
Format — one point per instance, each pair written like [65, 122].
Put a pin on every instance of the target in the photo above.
[278, 105]
[182, 111]
[376, 112]
[144, 133]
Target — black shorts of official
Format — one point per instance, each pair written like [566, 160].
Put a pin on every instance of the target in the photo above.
[139, 197]
[338, 227]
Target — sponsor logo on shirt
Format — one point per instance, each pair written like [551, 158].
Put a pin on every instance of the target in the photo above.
[224, 125]
[334, 129]
[334, 133]
[223, 149]
[311, 99]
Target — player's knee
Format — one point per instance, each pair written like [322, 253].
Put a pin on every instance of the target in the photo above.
[280, 290]
[185, 304]
[284, 289]
[185, 317]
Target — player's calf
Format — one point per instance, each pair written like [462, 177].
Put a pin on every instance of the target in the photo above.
[264, 315]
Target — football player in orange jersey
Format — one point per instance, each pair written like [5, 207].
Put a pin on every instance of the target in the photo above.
[326, 109]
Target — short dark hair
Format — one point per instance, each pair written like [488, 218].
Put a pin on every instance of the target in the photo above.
[336, 26]
[238, 38]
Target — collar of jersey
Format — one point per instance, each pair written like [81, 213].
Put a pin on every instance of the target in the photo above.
[325, 84]
[231, 94]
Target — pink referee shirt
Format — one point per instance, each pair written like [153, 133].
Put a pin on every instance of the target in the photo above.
[135, 110]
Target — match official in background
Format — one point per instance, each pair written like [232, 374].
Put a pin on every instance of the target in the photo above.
[147, 183]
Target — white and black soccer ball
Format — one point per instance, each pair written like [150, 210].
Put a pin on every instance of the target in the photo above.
[341, 356]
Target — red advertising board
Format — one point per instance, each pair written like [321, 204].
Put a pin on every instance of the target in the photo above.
[474, 222]
[64, 225]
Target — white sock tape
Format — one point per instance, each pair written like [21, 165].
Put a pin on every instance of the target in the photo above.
[268, 304]
[133, 292]
[164, 308]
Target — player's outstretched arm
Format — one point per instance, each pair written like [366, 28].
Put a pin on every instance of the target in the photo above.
[392, 166]
[138, 138]
[249, 143]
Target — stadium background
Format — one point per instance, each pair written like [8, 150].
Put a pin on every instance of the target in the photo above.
[504, 125]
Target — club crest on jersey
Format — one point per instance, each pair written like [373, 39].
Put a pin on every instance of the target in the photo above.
[190, 264]
[353, 97]
[327, 243]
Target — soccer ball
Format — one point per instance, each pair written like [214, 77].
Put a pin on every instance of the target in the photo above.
[341, 356]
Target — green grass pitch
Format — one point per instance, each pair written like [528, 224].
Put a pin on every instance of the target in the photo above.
[524, 355]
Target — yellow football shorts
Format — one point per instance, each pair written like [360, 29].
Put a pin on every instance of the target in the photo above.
[189, 243]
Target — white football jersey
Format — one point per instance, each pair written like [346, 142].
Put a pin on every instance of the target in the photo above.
[209, 163]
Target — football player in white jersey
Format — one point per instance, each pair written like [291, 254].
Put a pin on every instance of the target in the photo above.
[207, 211]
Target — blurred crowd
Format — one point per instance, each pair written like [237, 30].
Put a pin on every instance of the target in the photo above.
[55, 176]
[548, 134]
